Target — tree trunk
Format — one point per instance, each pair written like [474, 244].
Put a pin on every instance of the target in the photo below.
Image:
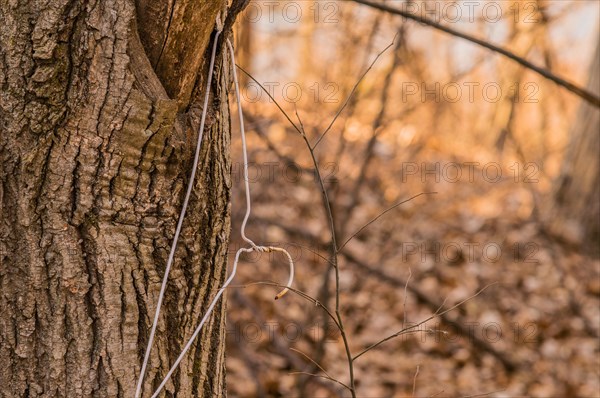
[577, 195]
[97, 136]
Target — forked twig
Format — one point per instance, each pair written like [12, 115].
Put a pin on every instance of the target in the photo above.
[327, 375]
[311, 360]
[322, 377]
[329, 214]
[435, 315]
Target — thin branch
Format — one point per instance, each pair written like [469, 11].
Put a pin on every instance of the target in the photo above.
[441, 306]
[381, 215]
[435, 315]
[415, 381]
[334, 251]
[351, 108]
[337, 115]
[406, 295]
[310, 359]
[322, 377]
[329, 214]
[376, 127]
[580, 92]
[299, 293]
[272, 99]
[316, 253]
[328, 376]
[298, 117]
[272, 147]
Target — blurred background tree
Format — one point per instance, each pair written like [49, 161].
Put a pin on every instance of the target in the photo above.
[578, 188]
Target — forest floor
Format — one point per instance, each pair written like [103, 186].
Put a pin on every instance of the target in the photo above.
[533, 330]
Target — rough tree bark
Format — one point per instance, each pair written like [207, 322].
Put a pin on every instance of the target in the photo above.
[577, 195]
[97, 135]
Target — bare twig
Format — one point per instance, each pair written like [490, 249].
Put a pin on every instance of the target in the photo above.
[435, 315]
[327, 375]
[311, 360]
[484, 394]
[406, 295]
[334, 251]
[580, 92]
[272, 99]
[415, 381]
[381, 215]
[508, 363]
[351, 108]
[337, 115]
[299, 293]
[329, 215]
[322, 377]
[273, 148]
[376, 128]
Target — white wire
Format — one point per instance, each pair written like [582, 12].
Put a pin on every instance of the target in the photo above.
[244, 152]
[253, 247]
[180, 221]
[246, 182]
[202, 322]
